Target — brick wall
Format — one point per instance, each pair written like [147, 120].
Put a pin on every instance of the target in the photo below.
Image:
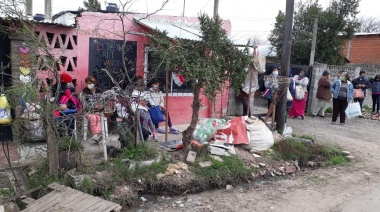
[364, 49]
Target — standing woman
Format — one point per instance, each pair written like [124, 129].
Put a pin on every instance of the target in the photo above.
[375, 86]
[298, 106]
[92, 108]
[343, 93]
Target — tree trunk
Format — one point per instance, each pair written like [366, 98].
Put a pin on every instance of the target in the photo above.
[188, 133]
[52, 148]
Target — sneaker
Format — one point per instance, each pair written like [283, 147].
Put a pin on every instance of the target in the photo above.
[174, 131]
[342, 124]
[159, 130]
[333, 122]
[321, 116]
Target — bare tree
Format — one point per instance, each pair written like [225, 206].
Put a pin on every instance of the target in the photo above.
[255, 40]
[369, 24]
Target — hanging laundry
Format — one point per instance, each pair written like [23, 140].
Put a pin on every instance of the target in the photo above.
[178, 78]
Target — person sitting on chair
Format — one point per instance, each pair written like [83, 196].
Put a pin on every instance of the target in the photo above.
[92, 108]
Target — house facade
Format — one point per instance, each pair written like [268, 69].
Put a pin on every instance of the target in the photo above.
[86, 43]
[363, 49]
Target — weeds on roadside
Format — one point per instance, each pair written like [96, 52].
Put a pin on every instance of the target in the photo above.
[6, 192]
[303, 152]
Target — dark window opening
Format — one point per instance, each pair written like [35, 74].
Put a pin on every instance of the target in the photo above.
[57, 44]
[63, 60]
[63, 36]
[50, 37]
[70, 67]
[75, 61]
[69, 45]
[75, 39]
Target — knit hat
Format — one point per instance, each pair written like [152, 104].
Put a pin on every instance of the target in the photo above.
[325, 73]
[65, 78]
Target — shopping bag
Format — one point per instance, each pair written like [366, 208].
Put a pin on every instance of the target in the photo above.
[268, 94]
[300, 93]
[289, 96]
[359, 94]
[353, 110]
[156, 115]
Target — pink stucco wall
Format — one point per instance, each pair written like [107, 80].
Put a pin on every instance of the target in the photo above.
[109, 26]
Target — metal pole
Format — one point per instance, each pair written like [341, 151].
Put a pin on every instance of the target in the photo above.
[103, 137]
[48, 10]
[313, 42]
[166, 103]
[285, 62]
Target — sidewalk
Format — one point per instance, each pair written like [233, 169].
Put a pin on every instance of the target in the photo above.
[25, 152]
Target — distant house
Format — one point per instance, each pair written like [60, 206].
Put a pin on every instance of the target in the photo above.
[86, 42]
[363, 49]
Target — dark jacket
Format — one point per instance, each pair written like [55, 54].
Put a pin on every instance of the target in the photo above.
[375, 86]
[361, 81]
[323, 91]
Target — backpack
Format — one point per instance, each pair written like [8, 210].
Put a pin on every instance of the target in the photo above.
[5, 110]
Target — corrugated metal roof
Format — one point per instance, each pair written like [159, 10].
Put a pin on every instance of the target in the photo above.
[37, 22]
[173, 30]
[367, 33]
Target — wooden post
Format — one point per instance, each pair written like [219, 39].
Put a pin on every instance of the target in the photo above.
[285, 62]
[166, 103]
[216, 8]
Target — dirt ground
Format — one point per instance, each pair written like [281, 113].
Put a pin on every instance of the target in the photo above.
[334, 189]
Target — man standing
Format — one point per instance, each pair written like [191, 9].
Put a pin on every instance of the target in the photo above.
[323, 94]
[361, 84]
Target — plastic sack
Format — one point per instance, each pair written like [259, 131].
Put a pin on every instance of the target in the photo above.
[353, 110]
[206, 129]
[34, 130]
[300, 93]
[261, 138]
[233, 132]
[359, 94]
[5, 110]
[156, 115]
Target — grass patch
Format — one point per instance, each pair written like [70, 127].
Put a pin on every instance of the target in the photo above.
[309, 137]
[6, 192]
[303, 152]
[367, 108]
[231, 170]
[70, 145]
[142, 151]
[41, 177]
[338, 160]
[329, 110]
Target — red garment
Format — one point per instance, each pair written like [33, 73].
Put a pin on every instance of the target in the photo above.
[298, 107]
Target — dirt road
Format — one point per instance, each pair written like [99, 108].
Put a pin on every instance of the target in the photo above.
[353, 188]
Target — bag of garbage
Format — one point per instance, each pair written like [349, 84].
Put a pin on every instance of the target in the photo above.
[206, 128]
[261, 138]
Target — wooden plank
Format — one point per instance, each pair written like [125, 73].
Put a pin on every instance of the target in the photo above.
[36, 204]
[49, 200]
[100, 207]
[113, 207]
[63, 201]
[89, 203]
[78, 203]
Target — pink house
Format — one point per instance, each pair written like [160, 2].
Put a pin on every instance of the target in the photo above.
[85, 42]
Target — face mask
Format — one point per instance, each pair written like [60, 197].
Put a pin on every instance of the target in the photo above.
[245, 69]
[155, 87]
[69, 85]
[362, 77]
[342, 78]
[275, 73]
[90, 86]
[302, 75]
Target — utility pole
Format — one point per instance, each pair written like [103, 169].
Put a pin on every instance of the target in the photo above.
[216, 8]
[313, 42]
[285, 63]
[48, 10]
[29, 8]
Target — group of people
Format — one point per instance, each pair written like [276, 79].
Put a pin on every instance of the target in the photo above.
[296, 96]
[142, 99]
[342, 91]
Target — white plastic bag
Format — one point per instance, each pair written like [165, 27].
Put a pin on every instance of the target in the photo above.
[300, 93]
[353, 110]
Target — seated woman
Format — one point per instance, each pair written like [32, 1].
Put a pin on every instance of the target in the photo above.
[68, 105]
[158, 99]
[90, 96]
